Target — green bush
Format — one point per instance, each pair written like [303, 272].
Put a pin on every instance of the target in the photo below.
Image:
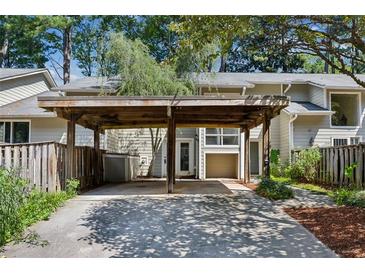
[12, 194]
[274, 190]
[304, 169]
[349, 197]
[20, 207]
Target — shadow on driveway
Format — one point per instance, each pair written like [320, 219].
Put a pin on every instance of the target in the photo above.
[241, 225]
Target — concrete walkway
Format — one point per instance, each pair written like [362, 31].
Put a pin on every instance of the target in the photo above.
[240, 224]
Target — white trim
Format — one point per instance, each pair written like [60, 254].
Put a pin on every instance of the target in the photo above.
[359, 113]
[48, 76]
[346, 138]
[11, 128]
[291, 133]
[191, 156]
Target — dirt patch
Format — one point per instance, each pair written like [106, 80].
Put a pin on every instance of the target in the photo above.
[251, 186]
[342, 228]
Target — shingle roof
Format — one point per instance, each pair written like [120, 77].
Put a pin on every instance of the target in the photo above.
[233, 79]
[12, 72]
[325, 80]
[91, 84]
[296, 107]
[27, 107]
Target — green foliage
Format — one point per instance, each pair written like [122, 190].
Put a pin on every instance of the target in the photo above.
[313, 188]
[349, 172]
[349, 197]
[139, 73]
[72, 186]
[12, 190]
[275, 156]
[304, 169]
[274, 190]
[20, 207]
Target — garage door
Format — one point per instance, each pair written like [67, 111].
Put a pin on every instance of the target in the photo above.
[221, 165]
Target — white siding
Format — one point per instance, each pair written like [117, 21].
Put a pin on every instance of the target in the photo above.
[284, 136]
[316, 96]
[264, 89]
[20, 88]
[55, 129]
[275, 133]
[298, 93]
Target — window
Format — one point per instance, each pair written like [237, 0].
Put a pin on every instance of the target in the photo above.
[340, 142]
[354, 140]
[14, 132]
[346, 108]
[221, 136]
[346, 141]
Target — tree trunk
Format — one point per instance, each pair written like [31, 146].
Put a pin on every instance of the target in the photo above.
[67, 54]
[4, 52]
[155, 143]
[222, 67]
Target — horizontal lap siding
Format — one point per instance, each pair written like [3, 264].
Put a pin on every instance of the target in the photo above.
[316, 96]
[298, 93]
[284, 136]
[20, 88]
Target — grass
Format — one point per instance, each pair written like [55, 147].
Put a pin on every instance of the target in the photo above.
[311, 187]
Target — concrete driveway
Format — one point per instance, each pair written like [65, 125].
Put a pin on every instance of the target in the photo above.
[240, 224]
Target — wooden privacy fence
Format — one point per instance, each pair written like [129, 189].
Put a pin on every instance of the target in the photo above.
[44, 164]
[335, 160]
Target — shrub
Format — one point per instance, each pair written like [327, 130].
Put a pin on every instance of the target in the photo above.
[274, 190]
[304, 168]
[20, 208]
[349, 197]
[72, 186]
[12, 192]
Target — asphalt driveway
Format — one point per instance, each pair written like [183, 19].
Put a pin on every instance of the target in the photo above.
[213, 225]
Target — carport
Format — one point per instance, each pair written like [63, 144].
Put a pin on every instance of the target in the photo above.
[118, 112]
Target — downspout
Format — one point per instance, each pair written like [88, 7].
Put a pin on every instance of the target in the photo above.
[287, 89]
[291, 134]
[243, 90]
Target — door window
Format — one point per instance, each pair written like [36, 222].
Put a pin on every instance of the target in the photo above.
[184, 156]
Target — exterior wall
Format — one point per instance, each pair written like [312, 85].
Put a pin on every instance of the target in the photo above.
[317, 96]
[55, 129]
[284, 136]
[22, 87]
[298, 92]
[264, 89]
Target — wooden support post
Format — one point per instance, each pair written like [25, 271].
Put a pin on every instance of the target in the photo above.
[97, 163]
[266, 147]
[70, 148]
[246, 172]
[171, 147]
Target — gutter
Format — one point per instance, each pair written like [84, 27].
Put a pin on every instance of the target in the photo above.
[287, 89]
[291, 133]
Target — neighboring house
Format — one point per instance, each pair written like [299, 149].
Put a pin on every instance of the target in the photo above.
[325, 110]
[21, 121]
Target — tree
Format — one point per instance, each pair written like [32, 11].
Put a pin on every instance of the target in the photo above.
[266, 47]
[337, 40]
[198, 31]
[58, 31]
[20, 43]
[140, 74]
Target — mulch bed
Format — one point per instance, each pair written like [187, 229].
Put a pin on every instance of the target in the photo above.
[342, 229]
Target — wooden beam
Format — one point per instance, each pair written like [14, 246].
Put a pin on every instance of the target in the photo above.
[171, 147]
[70, 150]
[246, 166]
[266, 146]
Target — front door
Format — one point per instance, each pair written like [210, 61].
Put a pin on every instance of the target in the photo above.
[184, 157]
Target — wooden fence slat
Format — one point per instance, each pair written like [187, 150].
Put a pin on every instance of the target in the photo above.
[44, 167]
[31, 165]
[24, 163]
[16, 158]
[38, 167]
[8, 162]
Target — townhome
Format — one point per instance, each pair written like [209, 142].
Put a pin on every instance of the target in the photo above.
[325, 110]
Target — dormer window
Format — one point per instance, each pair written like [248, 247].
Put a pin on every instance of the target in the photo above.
[346, 108]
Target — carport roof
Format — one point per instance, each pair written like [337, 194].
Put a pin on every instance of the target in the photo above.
[105, 112]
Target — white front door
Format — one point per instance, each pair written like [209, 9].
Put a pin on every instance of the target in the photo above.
[184, 157]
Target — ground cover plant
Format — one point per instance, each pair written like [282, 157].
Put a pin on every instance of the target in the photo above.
[274, 190]
[21, 207]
